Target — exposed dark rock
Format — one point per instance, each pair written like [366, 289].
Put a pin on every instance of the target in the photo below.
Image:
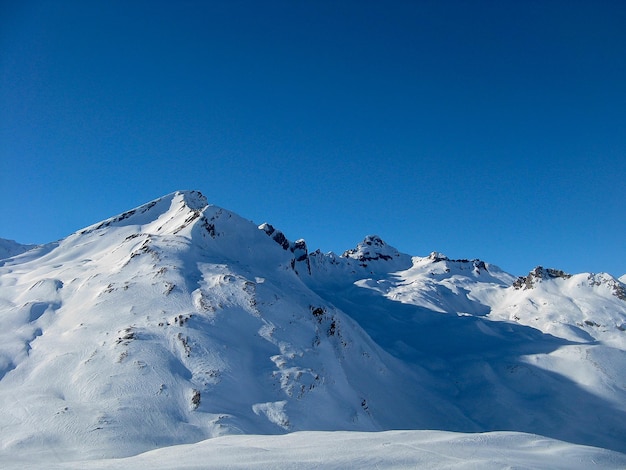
[528, 282]
[318, 312]
[276, 235]
[209, 227]
[619, 291]
[298, 248]
[435, 257]
[195, 399]
[372, 248]
[477, 264]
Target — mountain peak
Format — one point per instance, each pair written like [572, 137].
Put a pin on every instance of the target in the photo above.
[167, 309]
[174, 205]
[537, 274]
[436, 256]
[193, 199]
[372, 248]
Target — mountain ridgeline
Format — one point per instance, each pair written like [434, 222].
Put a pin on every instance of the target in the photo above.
[179, 321]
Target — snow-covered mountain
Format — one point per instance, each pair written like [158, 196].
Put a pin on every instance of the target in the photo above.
[179, 321]
[9, 248]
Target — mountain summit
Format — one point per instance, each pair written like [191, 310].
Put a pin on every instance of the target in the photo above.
[179, 321]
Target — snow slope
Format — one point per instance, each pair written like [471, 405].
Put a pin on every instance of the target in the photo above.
[9, 248]
[341, 450]
[546, 358]
[180, 321]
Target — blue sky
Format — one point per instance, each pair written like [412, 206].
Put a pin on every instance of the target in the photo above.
[492, 130]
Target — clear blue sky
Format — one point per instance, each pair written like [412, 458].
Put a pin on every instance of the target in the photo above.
[492, 130]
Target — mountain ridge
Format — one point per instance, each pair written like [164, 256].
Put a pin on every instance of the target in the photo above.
[179, 321]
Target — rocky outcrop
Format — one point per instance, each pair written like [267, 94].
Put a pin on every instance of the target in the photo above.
[618, 288]
[298, 248]
[275, 235]
[536, 275]
[372, 248]
[477, 264]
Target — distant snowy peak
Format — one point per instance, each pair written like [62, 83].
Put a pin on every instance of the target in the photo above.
[371, 255]
[186, 218]
[372, 248]
[600, 280]
[537, 274]
[165, 211]
[374, 255]
[435, 256]
[476, 264]
[10, 248]
[439, 265]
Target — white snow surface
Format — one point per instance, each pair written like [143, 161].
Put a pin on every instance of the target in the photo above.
[179, 321]
[340, 450]
[9, 248]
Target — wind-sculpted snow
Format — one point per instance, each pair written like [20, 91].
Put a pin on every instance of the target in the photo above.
[179, 321]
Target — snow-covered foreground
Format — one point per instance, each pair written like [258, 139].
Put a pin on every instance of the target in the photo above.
[179, 321]
[341, 450]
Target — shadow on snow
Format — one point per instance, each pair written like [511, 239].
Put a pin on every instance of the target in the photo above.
[482, 367]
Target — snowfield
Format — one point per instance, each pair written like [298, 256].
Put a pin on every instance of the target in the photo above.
[340, 450]
[179, 335]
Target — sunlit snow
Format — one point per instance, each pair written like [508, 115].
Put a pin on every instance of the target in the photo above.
[179, 321]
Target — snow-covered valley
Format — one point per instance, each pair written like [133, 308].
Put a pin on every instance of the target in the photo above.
[179, 321]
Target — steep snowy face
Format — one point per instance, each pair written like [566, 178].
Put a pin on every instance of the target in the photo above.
[440, 284]
[171, 214]
[177, 321]
[186, 216]
[577, 307]
[506, 352]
